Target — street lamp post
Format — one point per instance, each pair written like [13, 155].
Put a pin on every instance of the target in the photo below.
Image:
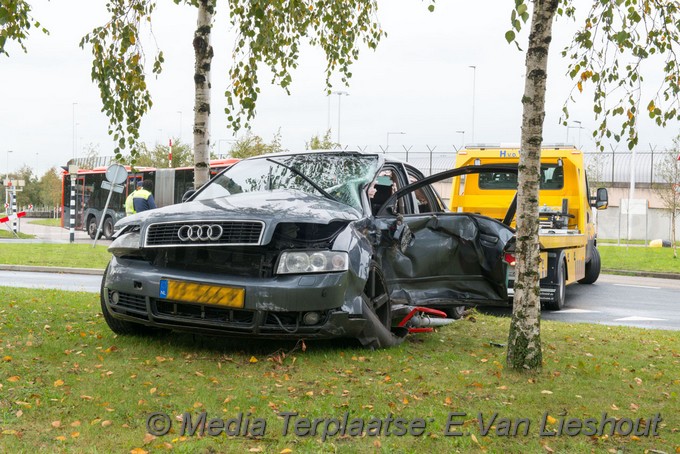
[73, 129]
[463, 142]
[474, 83]
[388, 138]
[7, 178]
[579, 127]
[179, 137]
[339, 93]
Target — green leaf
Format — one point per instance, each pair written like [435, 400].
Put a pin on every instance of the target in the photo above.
[430, 8]
[509, 36]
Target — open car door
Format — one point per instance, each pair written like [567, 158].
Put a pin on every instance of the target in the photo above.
[443, 259]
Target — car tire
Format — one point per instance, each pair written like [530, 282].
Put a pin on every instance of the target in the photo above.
[122, 327]
[557, 303]
[379, 300]
[108, 228]
[592, 268]
[92, 227]
[377, 309]
[455, 312]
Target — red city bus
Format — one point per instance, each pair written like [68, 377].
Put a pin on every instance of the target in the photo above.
[170, 184]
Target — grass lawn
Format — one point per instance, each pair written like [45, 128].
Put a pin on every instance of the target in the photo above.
[44, 254]
[67, 383]
[622, 241]
[48, 222]
[638, 259]
[4, 233]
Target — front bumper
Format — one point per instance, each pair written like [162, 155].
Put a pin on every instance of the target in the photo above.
[273, 307]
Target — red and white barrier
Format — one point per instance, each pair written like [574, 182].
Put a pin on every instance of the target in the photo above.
[13, 217]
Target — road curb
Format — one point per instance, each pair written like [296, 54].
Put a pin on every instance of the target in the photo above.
[52, 269]
[642, 273]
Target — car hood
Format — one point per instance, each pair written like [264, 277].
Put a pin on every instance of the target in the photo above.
[271, 207]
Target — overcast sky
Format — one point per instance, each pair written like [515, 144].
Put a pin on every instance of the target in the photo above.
[418, 81]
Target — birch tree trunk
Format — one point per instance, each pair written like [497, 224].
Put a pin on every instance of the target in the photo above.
[204, 53]
[524, 343]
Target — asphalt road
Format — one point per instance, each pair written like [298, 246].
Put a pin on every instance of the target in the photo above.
[612, 300]
[619, 300]
[59, 281]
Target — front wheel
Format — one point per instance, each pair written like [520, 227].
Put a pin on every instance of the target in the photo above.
[377, 309]
[592, 268]
[92, 227]
[456, 312]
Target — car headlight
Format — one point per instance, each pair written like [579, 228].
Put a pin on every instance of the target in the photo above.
[126, 244]
[298, 262]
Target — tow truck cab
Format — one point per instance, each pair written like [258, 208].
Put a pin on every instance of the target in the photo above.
[567, 230]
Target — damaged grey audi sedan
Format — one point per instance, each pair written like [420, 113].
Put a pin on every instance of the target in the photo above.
[303, 245]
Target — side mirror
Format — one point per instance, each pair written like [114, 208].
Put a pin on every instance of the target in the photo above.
[187, 195]
[602, 199]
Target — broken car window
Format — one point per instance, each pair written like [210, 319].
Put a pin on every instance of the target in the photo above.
[340, 175]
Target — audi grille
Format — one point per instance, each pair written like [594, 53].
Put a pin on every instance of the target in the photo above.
[204, 233]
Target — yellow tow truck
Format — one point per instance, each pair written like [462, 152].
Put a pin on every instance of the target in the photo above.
[567, 232]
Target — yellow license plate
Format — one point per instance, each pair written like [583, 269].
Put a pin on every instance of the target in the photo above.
[202, 293]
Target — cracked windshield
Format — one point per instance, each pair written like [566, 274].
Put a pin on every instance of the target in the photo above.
[340, 176]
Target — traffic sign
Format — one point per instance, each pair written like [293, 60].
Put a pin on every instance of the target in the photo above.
[116, 187]
[116, 174]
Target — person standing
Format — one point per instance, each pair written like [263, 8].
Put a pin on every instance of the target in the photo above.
[141, 199]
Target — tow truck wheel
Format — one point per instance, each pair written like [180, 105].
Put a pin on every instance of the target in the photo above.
[592, 268]
[557, 302]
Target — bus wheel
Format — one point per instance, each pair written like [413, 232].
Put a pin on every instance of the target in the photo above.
[592, 268]
[108, 228]
[92, 227]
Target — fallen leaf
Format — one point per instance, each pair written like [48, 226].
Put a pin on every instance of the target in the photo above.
[148, 438]
[474, 438]
[286, 451]
[56, 424]
[59, 382]
[254, 360]
[60, 438]
[19, 413]
[257, 449]
[7, 359]
[75, 434]
[106, 423]
[545, 391]
[13, 378]
[75, 424]
[551, 420]
[138, 451]
[152, 390]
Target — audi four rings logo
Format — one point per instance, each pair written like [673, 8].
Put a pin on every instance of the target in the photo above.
[198, 232]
